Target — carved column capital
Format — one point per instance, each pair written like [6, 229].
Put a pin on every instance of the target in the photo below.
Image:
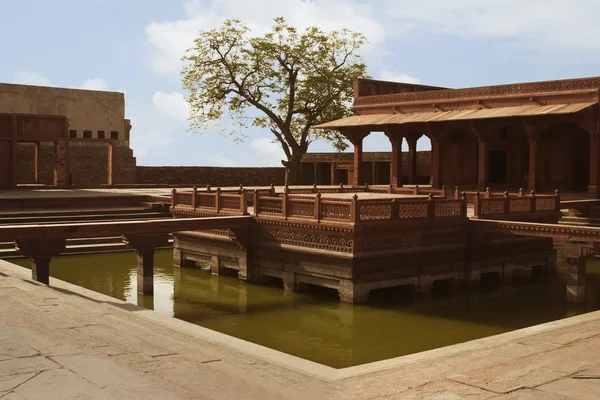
[355, 135]
[481, 131]
[533, 128]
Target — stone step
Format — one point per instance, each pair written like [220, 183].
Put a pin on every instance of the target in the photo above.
[580, 221]
[8, 213]
[78, 249]
[57, 219]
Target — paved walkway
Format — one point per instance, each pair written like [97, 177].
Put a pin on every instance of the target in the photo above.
[65, 342]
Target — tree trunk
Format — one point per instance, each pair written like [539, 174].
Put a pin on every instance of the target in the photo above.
[293, 169]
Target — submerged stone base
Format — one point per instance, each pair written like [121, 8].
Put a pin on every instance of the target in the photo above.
[355, 276]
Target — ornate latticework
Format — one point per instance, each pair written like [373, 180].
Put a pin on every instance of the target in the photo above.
[371, 212]
[335, 210]
[229, 202]
[301, 191]
[206, 201]
[412, 210]
[491, 206]
[314, 240]
[270, 205]
[300, 208]
[519, 205]
[183, 199]
[545, 203]
[483, 92]
[448, 208]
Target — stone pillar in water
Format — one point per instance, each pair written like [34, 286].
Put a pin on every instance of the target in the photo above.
[144, 246]
[576, 280]
[350, 292]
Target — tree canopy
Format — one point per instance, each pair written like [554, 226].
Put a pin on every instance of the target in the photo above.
[286, 81]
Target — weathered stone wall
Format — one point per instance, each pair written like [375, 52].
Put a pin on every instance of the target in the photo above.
[88, 163]
[92, 115]
[89, 110]
[214, 176]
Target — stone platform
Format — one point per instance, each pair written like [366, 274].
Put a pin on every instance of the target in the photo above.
[66, 342]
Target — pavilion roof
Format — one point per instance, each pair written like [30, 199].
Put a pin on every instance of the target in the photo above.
[454, 115]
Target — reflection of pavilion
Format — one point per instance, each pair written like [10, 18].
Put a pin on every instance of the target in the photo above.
[539, 136]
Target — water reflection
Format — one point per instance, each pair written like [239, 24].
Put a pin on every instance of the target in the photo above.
[315, 325]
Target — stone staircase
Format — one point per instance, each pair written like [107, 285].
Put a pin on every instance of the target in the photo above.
[145, 211]
[592, 219]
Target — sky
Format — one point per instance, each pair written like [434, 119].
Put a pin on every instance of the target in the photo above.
[135, 47]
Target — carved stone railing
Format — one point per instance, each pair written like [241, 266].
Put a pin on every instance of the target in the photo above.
[409, 190]
[210, 201]
[325, 189]
[319, 209]
[517, 207]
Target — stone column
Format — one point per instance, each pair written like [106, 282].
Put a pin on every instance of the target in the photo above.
[483, 163]
[356, 136]
[110, 162]
[533, 131]
[36, 162]
[594, 185]
[316, 173]
[40, 251]
[576, 280]
[215, 265]
[145, 270]
[144, 246]
[425, 283]
[61, 168]
[332, 172]
[436, 163]
[396, 162]
[352, 293]
[289, 281]
[411, 140]
[356, 178]
[246, 257]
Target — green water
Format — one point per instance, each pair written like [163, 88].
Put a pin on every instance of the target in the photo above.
[315, 325]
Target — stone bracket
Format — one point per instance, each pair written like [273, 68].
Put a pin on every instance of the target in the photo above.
[40, 246]
[141, 242]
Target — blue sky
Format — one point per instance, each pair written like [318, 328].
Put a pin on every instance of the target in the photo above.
[134, 46]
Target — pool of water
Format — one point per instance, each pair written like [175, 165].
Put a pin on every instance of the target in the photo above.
[315, 325]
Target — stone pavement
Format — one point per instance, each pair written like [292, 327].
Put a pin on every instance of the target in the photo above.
[65, 342]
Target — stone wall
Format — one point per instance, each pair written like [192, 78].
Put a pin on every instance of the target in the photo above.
[88, 163]
[87, 110]
[214, 176]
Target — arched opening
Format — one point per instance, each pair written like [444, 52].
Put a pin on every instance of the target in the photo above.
[422, 163]
[376, 162]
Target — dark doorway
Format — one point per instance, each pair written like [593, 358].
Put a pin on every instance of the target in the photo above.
[341, 176]
[498, 167]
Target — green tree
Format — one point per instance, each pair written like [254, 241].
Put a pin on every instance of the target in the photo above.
[285, 81]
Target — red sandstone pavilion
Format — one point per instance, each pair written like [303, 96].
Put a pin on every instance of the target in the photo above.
[540, 136]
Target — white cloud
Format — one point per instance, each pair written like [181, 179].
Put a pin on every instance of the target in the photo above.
[31, 78]
[546, 26]
[270, 152]
[95, 84]
[172, 105]
[219, 160]
[394, 76]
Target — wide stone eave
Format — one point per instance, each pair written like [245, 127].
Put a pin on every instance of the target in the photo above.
[374, 120]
